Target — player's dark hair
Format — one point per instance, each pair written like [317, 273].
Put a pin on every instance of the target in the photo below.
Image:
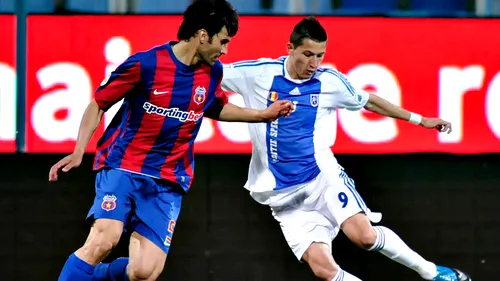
[211, 15]
[307, 28]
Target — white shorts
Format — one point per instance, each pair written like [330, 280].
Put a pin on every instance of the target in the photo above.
[314, 212]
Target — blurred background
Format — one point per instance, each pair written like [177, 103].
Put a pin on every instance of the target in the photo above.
[440, 58]
[450, 8]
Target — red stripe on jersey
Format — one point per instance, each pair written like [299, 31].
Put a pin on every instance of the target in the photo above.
[151, 124]
[180, 151]
[122, 80]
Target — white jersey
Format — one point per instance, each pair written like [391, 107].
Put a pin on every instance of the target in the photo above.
[291, 151]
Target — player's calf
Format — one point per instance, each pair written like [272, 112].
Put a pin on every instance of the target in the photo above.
[146, 259]
[145, 272]
[381, 239]
[103, 237]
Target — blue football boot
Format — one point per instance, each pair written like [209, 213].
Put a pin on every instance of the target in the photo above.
[450, 274]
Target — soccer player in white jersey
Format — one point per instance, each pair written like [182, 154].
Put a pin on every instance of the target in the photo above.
[293, 169]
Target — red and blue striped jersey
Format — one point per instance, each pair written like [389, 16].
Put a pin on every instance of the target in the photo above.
[164, 102]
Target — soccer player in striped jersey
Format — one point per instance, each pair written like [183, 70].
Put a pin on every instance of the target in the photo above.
[144, 160]
[293, 169]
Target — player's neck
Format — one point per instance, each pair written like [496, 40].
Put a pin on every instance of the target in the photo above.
[291, 72]
[185, 52]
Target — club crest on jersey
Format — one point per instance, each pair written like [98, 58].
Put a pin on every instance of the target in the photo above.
[108, 202]
[314, 100]
[273, 96]
[199, 95]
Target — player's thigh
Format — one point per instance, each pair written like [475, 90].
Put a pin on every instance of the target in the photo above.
[113, 190]
[302, 228]
[105, 230]
[103, 236]
[146, 260]
[157, 208]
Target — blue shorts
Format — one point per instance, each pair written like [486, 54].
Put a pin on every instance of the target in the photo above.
[144, 204]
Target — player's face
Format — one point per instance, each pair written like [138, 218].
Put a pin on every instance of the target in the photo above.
[211, 51]
[306, 58]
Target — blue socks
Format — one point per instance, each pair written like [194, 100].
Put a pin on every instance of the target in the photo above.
[76, 269]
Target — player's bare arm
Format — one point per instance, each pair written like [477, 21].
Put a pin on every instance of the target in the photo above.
[383, 107]
[233, 113]
[90, 120]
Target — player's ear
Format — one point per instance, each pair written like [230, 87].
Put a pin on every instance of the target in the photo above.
[203, 36]
[290, 48]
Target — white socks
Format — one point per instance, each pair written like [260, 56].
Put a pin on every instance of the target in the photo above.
[345, 276]
[390, 245]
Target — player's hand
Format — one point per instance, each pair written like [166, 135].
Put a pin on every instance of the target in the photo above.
[277, 109]
[67, 163]
[436, 123]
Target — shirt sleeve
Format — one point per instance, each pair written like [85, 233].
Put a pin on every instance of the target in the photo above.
[221, 99]
[342, 93]
[239, 77]
[119, 83]
[214, 109]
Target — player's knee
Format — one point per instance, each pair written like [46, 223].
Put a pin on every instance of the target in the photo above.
[360, 231]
